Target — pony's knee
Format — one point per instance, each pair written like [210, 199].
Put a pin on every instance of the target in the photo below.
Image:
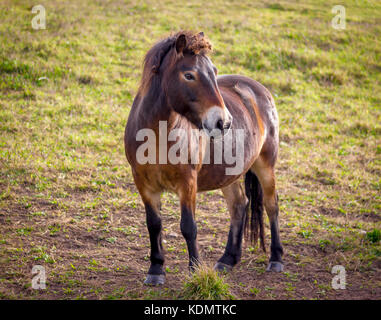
[153, 219]
[188, 229]
[236, 200]
[271, 205]
[266, 176]
[188, 226]
[238, 211]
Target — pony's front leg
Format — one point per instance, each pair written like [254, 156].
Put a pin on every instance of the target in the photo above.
[188, 224]
[156, 274]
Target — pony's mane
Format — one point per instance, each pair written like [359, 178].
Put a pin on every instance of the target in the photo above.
[196, 43]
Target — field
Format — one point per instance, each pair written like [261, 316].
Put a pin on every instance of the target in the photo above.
[67, 198]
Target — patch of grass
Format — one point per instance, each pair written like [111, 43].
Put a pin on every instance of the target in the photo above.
[111, 239]
[116, 294]
[36, 213]
[54, 228]
[206, 284]
[324, 243]
[40, 254]
[93, 262]
[305, 233]
[374, 236]
[25, 231]
[255, 291]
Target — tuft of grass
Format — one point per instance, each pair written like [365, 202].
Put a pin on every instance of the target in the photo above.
[374, 236]
[305, 234]
[206, 284]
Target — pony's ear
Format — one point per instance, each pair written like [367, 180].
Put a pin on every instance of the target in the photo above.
[159, 57]
[181, 42]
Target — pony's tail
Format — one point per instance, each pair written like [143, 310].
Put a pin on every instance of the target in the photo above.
[254, 227]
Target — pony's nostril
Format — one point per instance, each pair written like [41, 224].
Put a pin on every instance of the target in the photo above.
[228, 125]
[220, 124]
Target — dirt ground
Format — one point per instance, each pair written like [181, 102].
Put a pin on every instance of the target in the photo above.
[90, 265]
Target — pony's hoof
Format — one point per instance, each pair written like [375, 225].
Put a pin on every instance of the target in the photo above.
[275, 266]
[154, 279]
[222, 267]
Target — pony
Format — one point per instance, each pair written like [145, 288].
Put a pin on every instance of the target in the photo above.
[180, 87]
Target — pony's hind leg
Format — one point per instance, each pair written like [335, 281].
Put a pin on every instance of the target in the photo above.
[237, 202]
[156, 274]
[265, 174]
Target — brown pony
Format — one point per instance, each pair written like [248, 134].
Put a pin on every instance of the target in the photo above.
[180, 86]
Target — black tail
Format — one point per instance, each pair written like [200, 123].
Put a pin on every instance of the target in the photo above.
[254, 228]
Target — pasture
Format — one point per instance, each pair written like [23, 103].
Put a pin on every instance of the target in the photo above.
[67, 197]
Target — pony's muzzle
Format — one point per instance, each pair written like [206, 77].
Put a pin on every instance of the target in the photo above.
[217, 119]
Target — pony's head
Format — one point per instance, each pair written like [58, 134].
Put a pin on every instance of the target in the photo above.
[187, 77]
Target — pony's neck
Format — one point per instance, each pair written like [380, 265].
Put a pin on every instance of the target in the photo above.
[154, 107]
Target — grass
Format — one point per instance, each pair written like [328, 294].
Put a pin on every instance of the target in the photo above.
[374, 236]
[206, 284]
[66, 192]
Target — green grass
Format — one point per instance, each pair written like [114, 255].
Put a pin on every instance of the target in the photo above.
[374, 235]
[206, 284]
[66, 192]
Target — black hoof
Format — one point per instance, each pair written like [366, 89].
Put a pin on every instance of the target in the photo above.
[154, 279]
[222, 267]
[275, 266]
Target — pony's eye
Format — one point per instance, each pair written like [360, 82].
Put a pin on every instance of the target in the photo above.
[189, 76]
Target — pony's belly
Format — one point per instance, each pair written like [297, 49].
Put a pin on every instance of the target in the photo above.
[214, 176]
